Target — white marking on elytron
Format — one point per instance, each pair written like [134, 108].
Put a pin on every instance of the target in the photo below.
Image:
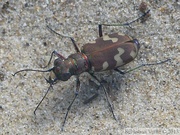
[130, 38]
[136, 47]
[133, 54]
[106, 37]
[92, 42]
[105, 65]
[121, 34]
[117, 57]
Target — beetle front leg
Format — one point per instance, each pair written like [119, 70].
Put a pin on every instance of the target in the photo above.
[69, 107]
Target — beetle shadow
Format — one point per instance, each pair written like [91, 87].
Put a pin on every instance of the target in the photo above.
[55, 104]
[54, 107]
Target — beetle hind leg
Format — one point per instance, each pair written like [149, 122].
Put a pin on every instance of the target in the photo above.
[66, 36]
[123, 24]
[100, 30]
[142, 65]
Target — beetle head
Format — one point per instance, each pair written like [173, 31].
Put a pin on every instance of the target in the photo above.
[61, 69]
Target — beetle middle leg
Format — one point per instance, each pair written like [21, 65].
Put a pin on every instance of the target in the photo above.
[106, 94]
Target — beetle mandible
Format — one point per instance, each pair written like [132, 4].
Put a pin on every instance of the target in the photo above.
[107, 52]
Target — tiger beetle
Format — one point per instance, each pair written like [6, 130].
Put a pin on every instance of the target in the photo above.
[108, 52]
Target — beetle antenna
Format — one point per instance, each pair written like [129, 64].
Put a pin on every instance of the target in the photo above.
[36, 70]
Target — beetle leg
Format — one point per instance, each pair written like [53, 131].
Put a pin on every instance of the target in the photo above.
[69, 107]
[119, 71]
[142, 65]
[57, 54]
[75, 45]
[141, 17]
[66, 36]
[128, 23]
[100, 30]
[106, 94]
